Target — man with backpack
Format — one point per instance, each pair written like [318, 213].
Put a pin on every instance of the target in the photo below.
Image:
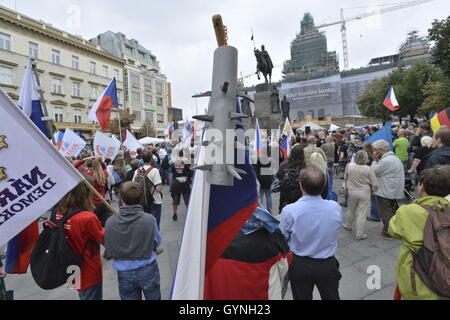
[150, 181]
[130, 239]
[181, 182]
[423, 264]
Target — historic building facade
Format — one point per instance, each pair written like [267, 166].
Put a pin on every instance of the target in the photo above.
[147, 92]
[73, 71]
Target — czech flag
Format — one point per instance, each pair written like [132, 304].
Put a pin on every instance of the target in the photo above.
[101, 110]
[59, 135]
[169, 130]
[440, 120]
[258, 144]
[391, 101]
[284, 147]
[215, 216]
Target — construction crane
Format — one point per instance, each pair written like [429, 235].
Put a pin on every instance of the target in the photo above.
[344, 20]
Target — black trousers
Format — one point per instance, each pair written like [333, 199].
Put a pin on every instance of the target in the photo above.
[305, 273]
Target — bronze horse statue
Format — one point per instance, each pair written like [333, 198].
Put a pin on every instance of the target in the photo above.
[264, 65]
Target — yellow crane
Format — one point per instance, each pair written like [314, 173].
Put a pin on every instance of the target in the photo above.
[344, 20]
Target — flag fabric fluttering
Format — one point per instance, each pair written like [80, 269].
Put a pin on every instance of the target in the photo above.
[132, 144]
[29, 100]
[105, 147]
[391, 101]
[440, 120]
[215, 216]
[258, 143]
[33, 186]
[72, 144]
[169, 130]
[101, 110]
[384, 133]
[58, 136]
[284, 147]
[288, 132]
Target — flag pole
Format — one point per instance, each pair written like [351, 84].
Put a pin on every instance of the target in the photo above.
[48, 122]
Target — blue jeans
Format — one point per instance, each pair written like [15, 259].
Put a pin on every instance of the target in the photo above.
[93, 293]
[268, 195]
[143, 280]
[155, 210]
[374, 214]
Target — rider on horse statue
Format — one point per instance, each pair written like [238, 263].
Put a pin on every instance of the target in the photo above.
[265, 64]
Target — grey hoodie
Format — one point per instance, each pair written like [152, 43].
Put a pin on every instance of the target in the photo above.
[130, 234]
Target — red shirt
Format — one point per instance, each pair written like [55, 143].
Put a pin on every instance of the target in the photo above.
[97, 186]
[79, 229]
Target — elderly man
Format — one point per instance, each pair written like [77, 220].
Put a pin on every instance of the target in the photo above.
[311, 148]
[391, 177]
[441, 154]
[311, 226]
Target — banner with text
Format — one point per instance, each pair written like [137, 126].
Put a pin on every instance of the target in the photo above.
[33, 175]
[105, 147]
[72, 144]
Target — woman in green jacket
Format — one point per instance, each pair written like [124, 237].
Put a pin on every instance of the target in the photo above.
[408, 225]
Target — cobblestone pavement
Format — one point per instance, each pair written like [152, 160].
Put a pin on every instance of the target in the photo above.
[354, 257]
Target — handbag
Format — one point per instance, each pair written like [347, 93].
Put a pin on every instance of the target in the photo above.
[4, 294]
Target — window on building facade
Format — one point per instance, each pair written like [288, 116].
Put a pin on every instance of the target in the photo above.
[129, 50]
[57, 85]
[148, 100]
[93, 94]
[134, 80]
[5, 41]
[76, 89]
[117, 74]
[56, 57]
[33, 49]
[142, 56]
[300, 116]
[321, 114]
[77, 115]
[59, 114]
[159, 101]
[137, 115]
[75, 62]
[105, 71]
[93, 67]
[159, 88]
[160, 118]
[135, 97]
[312, 113]
[149, 116]
[6, 75]
[148, 84]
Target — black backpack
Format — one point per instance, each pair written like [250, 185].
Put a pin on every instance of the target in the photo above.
[52, 255]
[290, 185]
[165, 163]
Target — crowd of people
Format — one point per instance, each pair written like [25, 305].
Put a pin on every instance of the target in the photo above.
[375, 176]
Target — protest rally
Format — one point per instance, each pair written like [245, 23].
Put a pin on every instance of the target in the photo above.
[324, 184]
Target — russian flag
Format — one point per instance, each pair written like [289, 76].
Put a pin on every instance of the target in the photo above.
[19, 248]
[391, 101]
[101, 110]
[258, 144]
[215, 216]
[29, 100]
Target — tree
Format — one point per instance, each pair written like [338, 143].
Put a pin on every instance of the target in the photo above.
[126, 119]
[147, 130]
[439, 34]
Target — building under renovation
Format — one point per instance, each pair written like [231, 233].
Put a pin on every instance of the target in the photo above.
[314, 85]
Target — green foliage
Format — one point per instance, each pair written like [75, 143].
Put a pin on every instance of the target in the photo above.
[439, 34]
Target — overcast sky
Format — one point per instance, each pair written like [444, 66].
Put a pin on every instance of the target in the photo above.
[180, 33]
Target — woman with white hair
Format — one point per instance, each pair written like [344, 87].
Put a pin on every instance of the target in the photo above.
[419, 157]
[360, 183]
[318, 161]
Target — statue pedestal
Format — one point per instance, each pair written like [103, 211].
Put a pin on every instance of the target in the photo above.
[267, 108]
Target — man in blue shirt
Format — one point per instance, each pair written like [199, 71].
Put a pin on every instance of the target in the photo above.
[311, 226]
[131, 238]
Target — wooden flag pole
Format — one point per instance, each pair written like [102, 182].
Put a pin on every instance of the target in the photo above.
[98, 195]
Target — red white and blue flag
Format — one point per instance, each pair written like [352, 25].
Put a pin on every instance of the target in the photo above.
[169, 130]
[258, 143]
[284, 147]
[215, 216]
[391, 101]
[59, 135]
[101, 110]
